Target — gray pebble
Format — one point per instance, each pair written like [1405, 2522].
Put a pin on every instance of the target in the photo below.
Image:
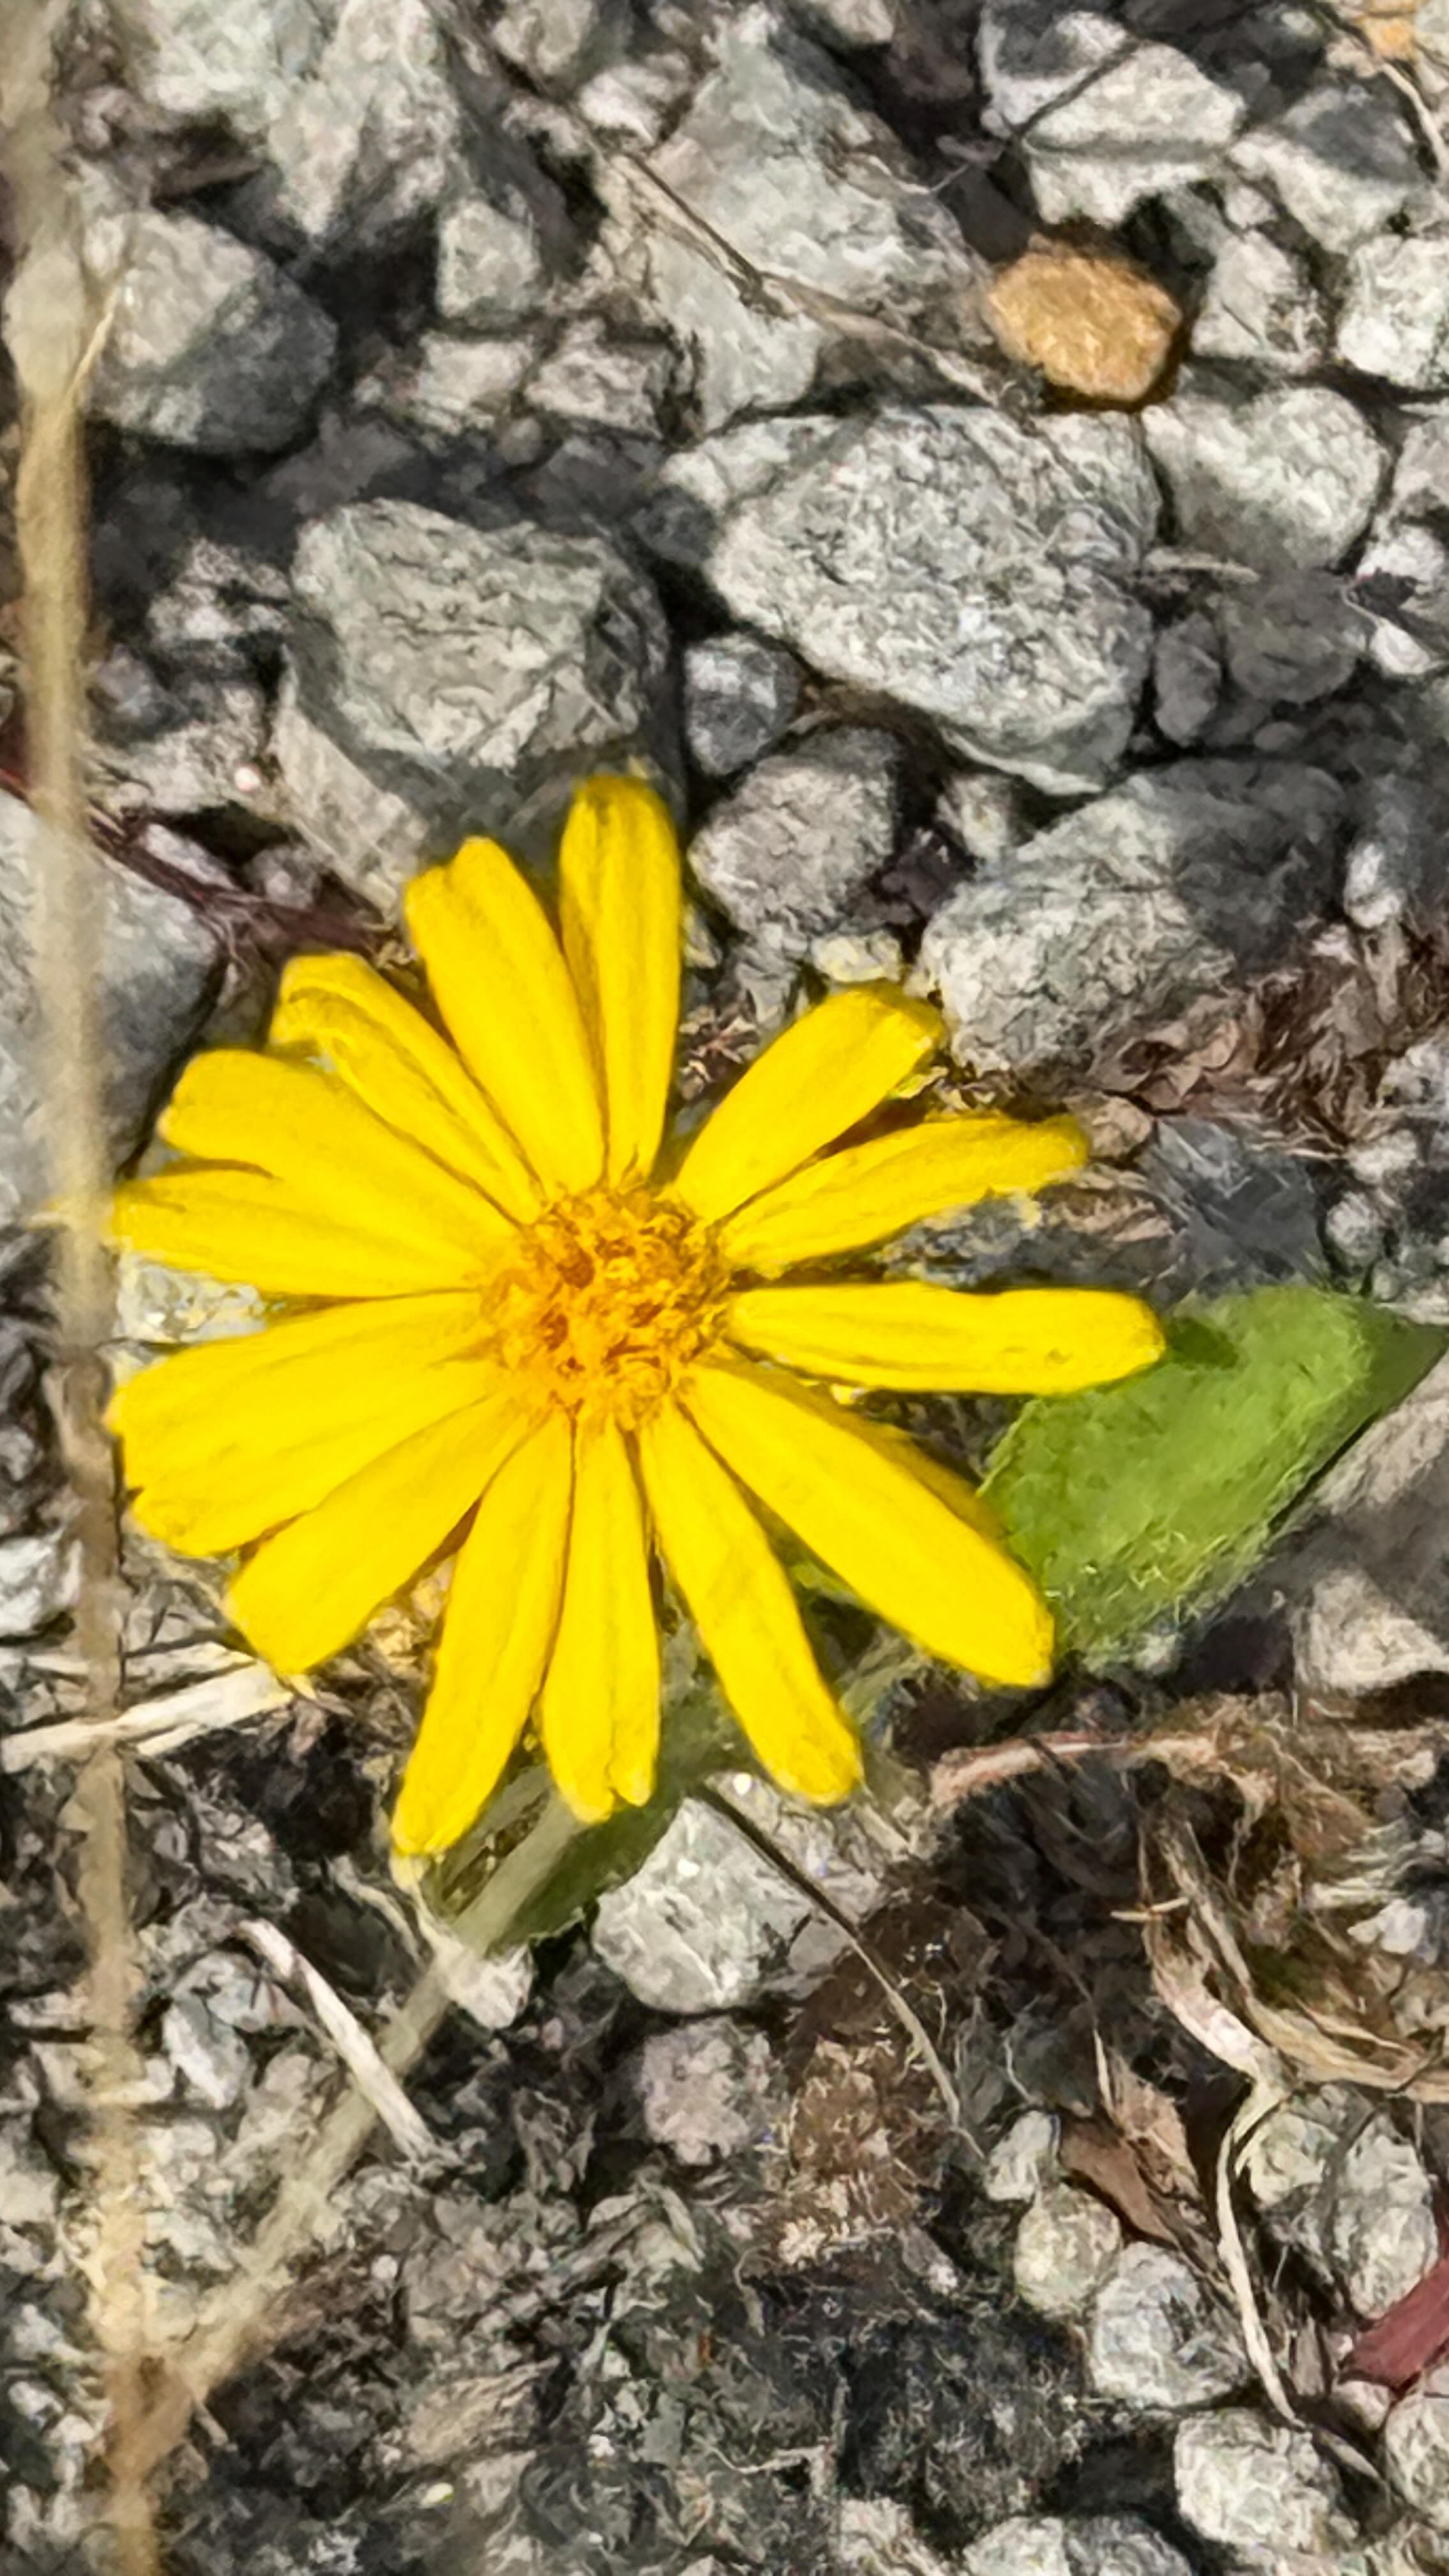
[985, 812]
[1187, 677]
[709, 2089]
[977, 571]
[1256, 2487]
[1339, 160]
[1033, 51]
[1024, 2161]
[1394, 320]
[1065, 2246]
[469, 674]
[786, 853]
[494, 258]
[556, 44]
[1416, 2448]
[212, 2059]
[1086, 2545]
[211, 347]
[1280, 480]
[1158, 2338]
[1262, 308]
[611, 383]
[1176, 884]
[740, 694]
[38, 1577]
[447, 385]
[1148, 122]
[1290, 639]
[1401, 588]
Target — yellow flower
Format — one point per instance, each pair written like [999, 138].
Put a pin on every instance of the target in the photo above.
[522, 1309]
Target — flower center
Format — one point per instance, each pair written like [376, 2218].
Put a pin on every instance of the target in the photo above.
[607, 1300]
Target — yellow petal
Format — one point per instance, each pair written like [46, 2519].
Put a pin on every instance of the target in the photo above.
[309, 1131]
[233, 1438]
[599, 1714]
[620, 908]
[497, 1633]
[313, 1587]
[875, 1524]
[908, 1333]
[871, 1191]
[245, 1226]
[745, 1612]
[812, 1082]
[340, 1011]
[500, 981]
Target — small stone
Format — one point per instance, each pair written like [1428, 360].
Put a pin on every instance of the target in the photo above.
[159, 968]
[783, 165]
[920, 551]
[38, 1577]
[1339, 159]
[1280, 480]
[1187, 677]
[1177, 884]
[740, 695]
[1034, 51]
[178, 746]
[1149, 122]
[235, 67]
[1292, 639]
[1099, 325]
[1396, 865]
[462, 678]
[853, 24]
[1157, 2337]
[858, 957]
[449, 386]
[1065, 2245]
[1395, 317]
[612, 384]
[1258, 2488]
[1262, 307]
[210, 347]
[876, 2537]
[1421, 476]
[706, 1925]
[788, 850]
[633, 102]
[1355, 1232]
[985, 812]
[1416, 2449]
[1023, 2162]
[494, 258]
[709, 2089]
[1401, 588]
[556, 44]
[1382, 2235]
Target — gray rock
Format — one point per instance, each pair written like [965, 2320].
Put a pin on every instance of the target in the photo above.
[633, 102]
[1258, 2488]
[707, 1925]
[974, 570]
[611, 383]
[1416, 2448]
[1394, 320]
[1421, 476]
[857, 957]
[1339, 159]
[234, 67]
[211, 347]
[777, 160]
[708, 2089]
[1365, 1584]
[1087, 2545]
[1148, 122]
[1185, 879]
[1158, 2339]
[1262, 308]
[1401, 588]
[1278, 480]
[212, 2058]
[471, 675]
[985, 812]
[1033, 52]
[38, 1579]
[1396, 868]
[788, 850]
[1187, 677]
[1349, 2193]
[160, 964]
[557, 44]
[1291, 639]
[740, 695]
[496, 255]
[852, 24]
[1022, 2163]
[1065, 2246]
[876, 2537]
[447, 386]
[178, 746]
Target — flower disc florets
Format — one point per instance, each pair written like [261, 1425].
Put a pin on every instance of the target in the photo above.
[606, 1302]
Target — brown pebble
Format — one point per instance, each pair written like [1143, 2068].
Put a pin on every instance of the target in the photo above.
[1092, 322]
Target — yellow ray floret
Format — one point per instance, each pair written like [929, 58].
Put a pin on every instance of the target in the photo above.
[529, 1327]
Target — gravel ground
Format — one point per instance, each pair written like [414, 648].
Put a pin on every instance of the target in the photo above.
[989, 461]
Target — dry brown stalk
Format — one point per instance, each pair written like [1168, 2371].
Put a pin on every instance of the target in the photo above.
[52, 332]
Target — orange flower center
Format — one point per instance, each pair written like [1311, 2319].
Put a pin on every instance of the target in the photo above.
[606, 1302]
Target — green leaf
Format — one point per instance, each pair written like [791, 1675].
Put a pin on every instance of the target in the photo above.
[1136, 1503]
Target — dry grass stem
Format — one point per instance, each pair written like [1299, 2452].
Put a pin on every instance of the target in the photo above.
[52, 329]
